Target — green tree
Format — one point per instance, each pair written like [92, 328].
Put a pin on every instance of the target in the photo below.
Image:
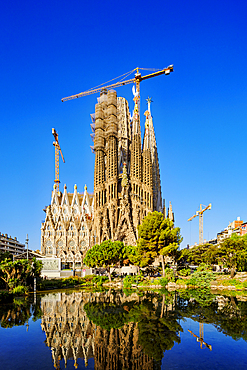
[233, 254]
[4, 255]
[157, 237]
[106, 254]
[204, 253]
[19, 272]
[202, 277]
[131, 255]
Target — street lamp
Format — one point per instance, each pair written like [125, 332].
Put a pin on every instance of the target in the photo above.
[27, 240]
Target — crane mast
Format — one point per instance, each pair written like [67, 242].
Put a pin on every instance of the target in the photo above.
[200, 214]
[200, 337]
[57, 151]
[137, 79]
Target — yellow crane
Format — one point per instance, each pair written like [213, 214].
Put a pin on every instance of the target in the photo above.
[137, 79]
[57, 151]
[200, 214]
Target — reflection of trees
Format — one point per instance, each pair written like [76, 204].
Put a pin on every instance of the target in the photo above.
[18, 313]
[156, 335]
[157, 331]
[123, 331]
[229, 318]
[232, 319]
[117, 330]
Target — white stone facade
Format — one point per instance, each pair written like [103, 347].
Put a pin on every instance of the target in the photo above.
[66, 232]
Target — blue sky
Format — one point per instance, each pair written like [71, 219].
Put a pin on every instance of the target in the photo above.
[53, 49]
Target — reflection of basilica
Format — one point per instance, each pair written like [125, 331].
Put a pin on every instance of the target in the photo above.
[71, 335]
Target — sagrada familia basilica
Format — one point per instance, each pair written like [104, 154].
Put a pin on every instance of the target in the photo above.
[126, 185]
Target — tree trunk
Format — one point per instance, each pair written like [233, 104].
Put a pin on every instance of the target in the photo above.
[162, 307]
[163, 265]
[109, 274]
[232, 272]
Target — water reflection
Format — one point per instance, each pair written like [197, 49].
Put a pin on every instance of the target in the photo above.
[121, 330]
[19, 312]
[227, 314]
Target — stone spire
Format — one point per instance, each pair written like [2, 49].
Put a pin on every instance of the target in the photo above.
[157, 199]
[170, 214]
[136, 154]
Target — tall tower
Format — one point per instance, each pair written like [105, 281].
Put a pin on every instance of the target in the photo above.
[157, 199]
[126, 175]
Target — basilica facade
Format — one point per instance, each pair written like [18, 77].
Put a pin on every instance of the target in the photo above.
[126, 173]
[126, 184]
[67, 230]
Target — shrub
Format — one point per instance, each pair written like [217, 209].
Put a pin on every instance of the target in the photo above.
[128, 281]
[202, 277]
[140, 277]
[169, 274]
[163, 281]
[99, 280]
[184, 272]
[181, 282]
[88, 278]
[20, 289]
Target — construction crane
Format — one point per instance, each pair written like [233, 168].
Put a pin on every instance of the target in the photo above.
[200, 338]
[57, 151]
[137, 79]
[200, 214]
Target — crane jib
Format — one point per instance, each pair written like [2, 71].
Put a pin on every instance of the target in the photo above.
[137, 79]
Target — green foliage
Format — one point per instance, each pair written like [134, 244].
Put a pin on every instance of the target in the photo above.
[87, 279]
[157, 236]
[19, 272]
[128, 291]
[131, 255]
[106, 254]
[202, 277]
[99, 280]
[181, 282]
[20, 289]
[184, 272]
[128, 281]
[232, 253]
[107, 316]
[164, 281]
[19, 311]
[205, 253]
[233, 282]
[67, 282]
[6, 255]
[201, 296]
[157, 331]
[169, 274]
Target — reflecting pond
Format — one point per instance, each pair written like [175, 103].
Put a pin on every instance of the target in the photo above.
[107, 330]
